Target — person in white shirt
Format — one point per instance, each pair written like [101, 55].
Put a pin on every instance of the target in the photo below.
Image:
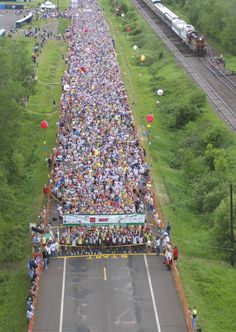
[29, 315]
[149, 245]
[158, 245]
[53, 248]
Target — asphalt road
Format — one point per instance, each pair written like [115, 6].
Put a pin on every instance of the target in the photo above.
[133, 294]
[8, 19]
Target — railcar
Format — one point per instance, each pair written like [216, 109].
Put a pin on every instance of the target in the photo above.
[186, 32]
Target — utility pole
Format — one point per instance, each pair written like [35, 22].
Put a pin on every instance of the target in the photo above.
[231, 225]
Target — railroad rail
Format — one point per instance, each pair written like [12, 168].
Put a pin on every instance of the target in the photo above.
[230, 84]
[225, 109]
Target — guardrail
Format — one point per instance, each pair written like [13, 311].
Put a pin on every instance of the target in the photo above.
[182, 297]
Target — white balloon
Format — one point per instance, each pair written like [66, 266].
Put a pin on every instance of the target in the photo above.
[66, 87]
[160, 92]
[135, 47]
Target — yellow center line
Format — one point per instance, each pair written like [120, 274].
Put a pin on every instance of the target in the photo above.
[105, 273]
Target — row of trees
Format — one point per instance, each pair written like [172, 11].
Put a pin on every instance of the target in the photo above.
[206, 156]
[16, 82]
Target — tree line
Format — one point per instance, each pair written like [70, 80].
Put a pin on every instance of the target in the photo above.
[16, 84]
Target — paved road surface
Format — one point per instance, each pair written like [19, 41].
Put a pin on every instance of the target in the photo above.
[109, 295]
[8, 19]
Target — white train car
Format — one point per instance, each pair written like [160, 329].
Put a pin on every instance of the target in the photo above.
[165, 14]
[178, 26]
[187, 29]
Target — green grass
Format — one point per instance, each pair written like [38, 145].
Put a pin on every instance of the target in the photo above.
[11, 295]
[230, 62]
[207, 280]
[210, 284]
[49, 73]
[41, 23]
[64, 23]
[29, 197]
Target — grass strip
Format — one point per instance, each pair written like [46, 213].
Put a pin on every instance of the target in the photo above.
[49, 73]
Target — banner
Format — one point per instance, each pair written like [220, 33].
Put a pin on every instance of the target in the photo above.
[103, 220]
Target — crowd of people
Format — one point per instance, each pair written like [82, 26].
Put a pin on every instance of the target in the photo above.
[114, 239]
[98, 162]
[33, 266]
[98, 165]
[78, 240]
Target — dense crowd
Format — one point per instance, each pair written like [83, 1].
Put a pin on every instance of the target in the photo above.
[80, 240]
[98, 163]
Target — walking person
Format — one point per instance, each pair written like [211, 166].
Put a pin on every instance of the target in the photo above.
[54, 104]
[29, 315]
[175, 254]
[45, 258]
[158, 245]
[168, 228]
[194, 319]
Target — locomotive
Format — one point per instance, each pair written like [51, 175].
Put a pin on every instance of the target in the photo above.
[187, 33]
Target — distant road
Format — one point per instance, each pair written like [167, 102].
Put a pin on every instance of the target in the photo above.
[8, 19]
[133, 294]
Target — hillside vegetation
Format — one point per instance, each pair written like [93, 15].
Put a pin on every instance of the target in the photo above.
[191, 154]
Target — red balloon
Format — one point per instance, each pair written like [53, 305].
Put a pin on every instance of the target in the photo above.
[44, 124]
[86, 29]
[150, 118]
[83, 69]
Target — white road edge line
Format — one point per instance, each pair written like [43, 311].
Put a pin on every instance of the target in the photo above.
[152, 295]
[62, 295]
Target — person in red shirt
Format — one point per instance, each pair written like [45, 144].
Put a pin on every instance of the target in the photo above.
[175, 254]
[45, 190]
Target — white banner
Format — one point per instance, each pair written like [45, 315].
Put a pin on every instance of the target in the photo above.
[105, 219]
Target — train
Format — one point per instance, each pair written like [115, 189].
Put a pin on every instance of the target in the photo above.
[185, 31]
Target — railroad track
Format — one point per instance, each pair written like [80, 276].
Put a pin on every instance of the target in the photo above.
[220, 89]
[230, 84]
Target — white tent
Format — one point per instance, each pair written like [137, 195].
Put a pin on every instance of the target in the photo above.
[48, 5]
